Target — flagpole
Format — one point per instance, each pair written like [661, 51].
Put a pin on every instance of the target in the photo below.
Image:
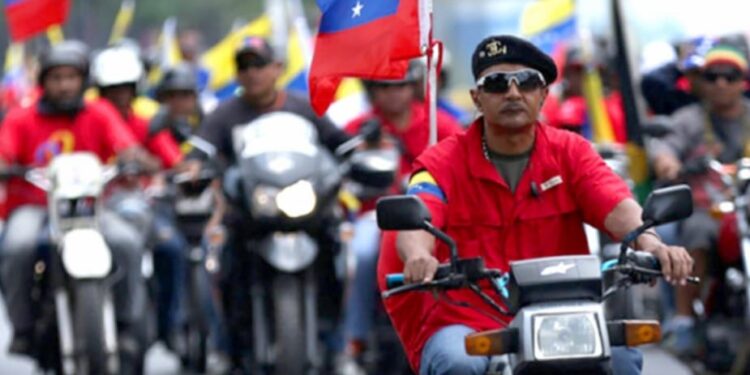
[123, 19]
[277, 12]
[302, 28]
[426, 23]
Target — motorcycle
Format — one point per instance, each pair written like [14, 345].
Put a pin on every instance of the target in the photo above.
[194, 204]
[555, 303]
[75, 330]
[723, 309]
[373, 151]
[286, 186]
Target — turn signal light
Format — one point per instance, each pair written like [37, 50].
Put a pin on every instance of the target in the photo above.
[640, 332]
[719, 210]
[495, 342]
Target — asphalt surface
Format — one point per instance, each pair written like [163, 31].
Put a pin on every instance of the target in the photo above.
[158, 362]
[161, 362]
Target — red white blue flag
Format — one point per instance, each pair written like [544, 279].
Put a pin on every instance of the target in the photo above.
[371, 39]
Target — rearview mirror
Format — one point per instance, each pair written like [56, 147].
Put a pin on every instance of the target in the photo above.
[402, 212]
[667, 205]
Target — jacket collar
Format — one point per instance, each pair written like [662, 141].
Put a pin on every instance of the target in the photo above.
[483, 169]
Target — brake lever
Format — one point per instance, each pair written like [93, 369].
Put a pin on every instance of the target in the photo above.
[448, 282]
[638, 272]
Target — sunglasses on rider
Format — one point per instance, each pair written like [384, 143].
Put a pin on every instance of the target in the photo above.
[730, 76]
[256, 62]
[526, 80]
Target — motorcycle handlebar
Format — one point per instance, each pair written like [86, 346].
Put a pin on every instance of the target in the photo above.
[641, 266]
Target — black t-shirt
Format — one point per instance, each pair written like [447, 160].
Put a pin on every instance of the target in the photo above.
[217, 126]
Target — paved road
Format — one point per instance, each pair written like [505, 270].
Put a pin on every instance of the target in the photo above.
[161, 362]
[158, 362]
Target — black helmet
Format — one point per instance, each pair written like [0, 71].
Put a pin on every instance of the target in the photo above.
[68, 53]
[180, 77]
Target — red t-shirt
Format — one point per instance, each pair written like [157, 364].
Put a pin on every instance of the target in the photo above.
[414, 138]
[161, 145]
[470, 201]
[29, 138]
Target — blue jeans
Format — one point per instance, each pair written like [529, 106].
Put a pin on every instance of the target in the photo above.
[169, 266]
[444, 354]
[362, 293]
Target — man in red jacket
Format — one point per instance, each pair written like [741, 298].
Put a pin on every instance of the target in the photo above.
[508, 189]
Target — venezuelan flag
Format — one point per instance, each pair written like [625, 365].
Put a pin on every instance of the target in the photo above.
[549, 23]
[423, 183]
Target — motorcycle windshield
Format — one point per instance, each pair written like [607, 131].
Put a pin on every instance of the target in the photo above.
[276, 132]
[279, 149]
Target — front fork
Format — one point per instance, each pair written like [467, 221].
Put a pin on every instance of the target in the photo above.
[64, 312]
[262, 343]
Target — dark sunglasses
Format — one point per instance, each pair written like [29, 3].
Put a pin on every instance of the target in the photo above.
[499, 82]
[730, 76]
[257, 63]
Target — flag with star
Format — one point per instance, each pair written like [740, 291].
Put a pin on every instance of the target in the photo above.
[372, 39]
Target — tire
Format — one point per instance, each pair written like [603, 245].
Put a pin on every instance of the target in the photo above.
[88, 327]
[196, 328]
[289, 326]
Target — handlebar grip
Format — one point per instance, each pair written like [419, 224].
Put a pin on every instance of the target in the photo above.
[644, 260]
[394, 280]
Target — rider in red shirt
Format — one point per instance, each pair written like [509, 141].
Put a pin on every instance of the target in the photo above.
[117, 72]
[61, 122]
[32, 136]
[508, 189]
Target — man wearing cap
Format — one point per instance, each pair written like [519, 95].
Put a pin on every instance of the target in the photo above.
[258, 70]
[509, 188]
[676, 84]
[718, 127]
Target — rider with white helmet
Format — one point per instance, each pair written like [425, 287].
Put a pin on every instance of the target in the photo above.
[117, 73]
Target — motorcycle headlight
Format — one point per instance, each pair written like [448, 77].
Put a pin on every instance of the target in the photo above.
[566, 336]
[264, 200]
[297, 200]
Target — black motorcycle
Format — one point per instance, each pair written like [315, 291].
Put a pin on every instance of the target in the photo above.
[285, 184]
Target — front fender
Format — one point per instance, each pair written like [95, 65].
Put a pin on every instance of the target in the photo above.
[289, 252]
[85, 255]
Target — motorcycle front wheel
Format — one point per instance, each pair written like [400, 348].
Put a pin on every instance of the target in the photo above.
[289, 325]
[88, 325]
[197, 327]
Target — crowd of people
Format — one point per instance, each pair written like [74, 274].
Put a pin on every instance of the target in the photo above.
[492, 183]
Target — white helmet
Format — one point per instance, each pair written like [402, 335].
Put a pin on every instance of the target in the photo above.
[116, 66]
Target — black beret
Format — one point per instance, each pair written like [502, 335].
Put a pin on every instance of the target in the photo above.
[509, 49]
